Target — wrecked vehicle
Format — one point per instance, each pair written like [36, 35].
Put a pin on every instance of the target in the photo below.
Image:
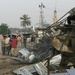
[40, 52]
[27, 57]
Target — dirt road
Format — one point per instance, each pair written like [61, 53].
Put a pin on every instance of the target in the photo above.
[7, 65]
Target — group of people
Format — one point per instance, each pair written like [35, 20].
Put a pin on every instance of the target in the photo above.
[10, 44]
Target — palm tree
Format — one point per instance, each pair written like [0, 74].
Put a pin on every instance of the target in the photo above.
[25, 20]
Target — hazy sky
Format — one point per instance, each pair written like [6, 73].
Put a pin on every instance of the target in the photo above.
[12, 10]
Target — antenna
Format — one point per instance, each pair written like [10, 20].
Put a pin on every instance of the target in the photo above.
[41, 13]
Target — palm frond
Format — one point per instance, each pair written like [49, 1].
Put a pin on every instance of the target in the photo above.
[25, 20]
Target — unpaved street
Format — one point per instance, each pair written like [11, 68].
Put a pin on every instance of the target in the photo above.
[7, 65]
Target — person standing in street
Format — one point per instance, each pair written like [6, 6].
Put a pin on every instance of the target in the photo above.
[3, 45]
[19, 39]
[7, 44]
[14, 46]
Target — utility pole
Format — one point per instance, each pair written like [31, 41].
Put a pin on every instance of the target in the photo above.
[41, 13]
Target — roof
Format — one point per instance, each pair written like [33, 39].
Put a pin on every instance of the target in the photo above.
[17, 30]
[44, 26]
[29, 30]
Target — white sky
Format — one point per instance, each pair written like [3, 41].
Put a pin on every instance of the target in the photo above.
[12, 10]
